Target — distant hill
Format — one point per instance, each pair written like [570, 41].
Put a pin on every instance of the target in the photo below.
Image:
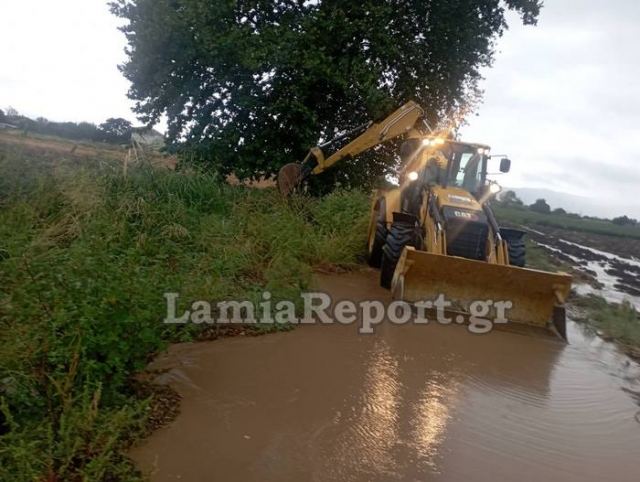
[577, 204]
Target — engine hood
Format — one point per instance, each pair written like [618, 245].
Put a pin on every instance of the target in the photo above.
[456, 197]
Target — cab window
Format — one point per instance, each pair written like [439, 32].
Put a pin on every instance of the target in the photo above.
[466, 170]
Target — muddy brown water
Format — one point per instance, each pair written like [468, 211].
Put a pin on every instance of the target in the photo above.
[408, 403]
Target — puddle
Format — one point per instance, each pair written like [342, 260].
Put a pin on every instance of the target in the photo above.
[409, 403]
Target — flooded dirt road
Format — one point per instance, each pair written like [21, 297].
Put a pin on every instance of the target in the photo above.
[409, 403]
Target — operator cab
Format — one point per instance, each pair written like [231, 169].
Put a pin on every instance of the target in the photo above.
[467, 166]
[446, 163]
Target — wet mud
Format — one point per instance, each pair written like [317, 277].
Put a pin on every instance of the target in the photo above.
[616, 277]
[408, 403]
[624, 247]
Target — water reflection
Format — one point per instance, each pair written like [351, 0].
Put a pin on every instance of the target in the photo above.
[431, 415]
[372, 428]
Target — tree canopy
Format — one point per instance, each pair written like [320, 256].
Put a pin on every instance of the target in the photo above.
[510, 198]
[624, 221]
[251, 85]
[116, 130]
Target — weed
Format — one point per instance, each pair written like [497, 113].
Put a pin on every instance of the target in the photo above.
[617, 321]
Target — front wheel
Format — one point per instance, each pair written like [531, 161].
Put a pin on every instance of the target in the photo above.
[401, 234]
[377, 235]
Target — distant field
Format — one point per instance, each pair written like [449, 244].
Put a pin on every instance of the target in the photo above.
[54, 148]
[526, 217]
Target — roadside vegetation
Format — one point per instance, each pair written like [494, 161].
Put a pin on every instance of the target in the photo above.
[619, 322]
[86, 254]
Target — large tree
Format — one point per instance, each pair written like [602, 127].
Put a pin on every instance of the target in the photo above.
[251, 85]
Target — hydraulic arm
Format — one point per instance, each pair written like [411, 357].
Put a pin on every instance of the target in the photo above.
[402, 122]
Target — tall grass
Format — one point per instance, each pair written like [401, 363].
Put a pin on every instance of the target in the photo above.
[85, 257]
[619, 321]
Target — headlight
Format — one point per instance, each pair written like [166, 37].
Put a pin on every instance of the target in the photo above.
[433, 142]
[413, 175]
[495, 188]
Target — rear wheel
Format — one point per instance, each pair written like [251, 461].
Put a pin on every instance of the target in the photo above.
[402, 233]
[517, 248]
[377, 235]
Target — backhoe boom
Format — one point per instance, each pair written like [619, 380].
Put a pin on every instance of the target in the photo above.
[402, 122]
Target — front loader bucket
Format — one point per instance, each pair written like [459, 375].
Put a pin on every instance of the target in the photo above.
[537, 297]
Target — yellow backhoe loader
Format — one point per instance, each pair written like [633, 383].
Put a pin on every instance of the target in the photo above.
[436, 234]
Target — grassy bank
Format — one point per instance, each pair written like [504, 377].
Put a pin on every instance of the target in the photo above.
[619, 322]
[85, 257]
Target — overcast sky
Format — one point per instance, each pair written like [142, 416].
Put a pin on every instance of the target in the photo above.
[58, 59]
[563, 98]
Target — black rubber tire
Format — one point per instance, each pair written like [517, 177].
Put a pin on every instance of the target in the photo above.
[560, 321]
[517, 253]
[515, 242]
[374, 256]
[400, 234]
[374, 252]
